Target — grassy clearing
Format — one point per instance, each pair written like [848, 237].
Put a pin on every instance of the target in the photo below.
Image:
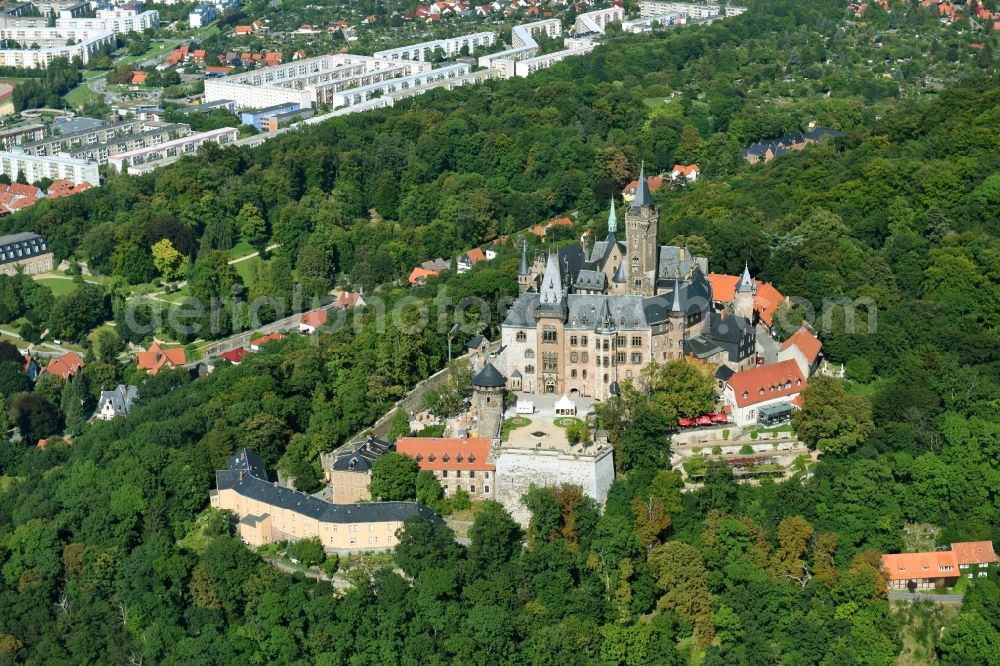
[246, 268]
[921, 623]
[6, 482]
[566, 421]
[82, 95]
[59, 286]
[864, 390]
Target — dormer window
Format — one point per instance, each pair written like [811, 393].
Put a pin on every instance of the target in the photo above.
[746, 395]
[761, 392]
[458, 458]
[431, 458]
[472, 458]
[419, 457]
[788, 384]
[445, 458]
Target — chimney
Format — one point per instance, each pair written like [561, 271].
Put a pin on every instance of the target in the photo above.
[681, 252]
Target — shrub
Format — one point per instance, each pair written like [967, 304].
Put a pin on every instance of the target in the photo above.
[753, 434]
[716, 450]
[725, 434]
[307, 552]
[746, 449]
[332, 565]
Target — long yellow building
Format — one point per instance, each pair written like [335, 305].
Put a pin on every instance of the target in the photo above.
[269, 512]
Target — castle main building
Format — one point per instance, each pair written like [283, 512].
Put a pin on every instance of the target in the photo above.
[587, 319]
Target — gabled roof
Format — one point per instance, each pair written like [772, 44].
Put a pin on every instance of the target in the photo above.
[473, 256]
[155, 358]
[64, 366]
[234, 356]
[686, 170]
[767, 382]
[120, 399]
[909, 566]
[807, 343]
[419, 273]
[974, 552]
[264, 339]
[451, 453]
[314, 318]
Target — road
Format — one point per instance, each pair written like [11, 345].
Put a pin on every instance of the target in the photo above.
[899, 595]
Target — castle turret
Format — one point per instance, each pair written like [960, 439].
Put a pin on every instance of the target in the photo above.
[489, 386]
[746, 292]
[641, 225]
[524, 281]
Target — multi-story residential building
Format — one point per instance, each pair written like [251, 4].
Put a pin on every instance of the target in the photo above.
[268, 512]
[456, 462]
[19, 134]
[36, 168]
[450, 47]
[52, 43]
[27, 251]
[151, 156]
[98, 144]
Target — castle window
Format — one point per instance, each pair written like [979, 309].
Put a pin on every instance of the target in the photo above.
[621, 357]
[585, 374]
[549, 334]
[572, 340]
[605, 379]
[605, 345]
[444, 474]
[486, 489]
[529, 353]
[521, 336]
[550, 361]
[572, 373]
[621, 340]
[573, 357]
[636, 358]
[472, 489]
[529, 369]
[585, 357]
[636, 341]
[583, 340]
[607, 361]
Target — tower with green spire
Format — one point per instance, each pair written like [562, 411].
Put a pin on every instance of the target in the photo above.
[612, 218]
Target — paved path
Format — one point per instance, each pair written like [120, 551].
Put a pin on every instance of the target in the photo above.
[253, 254]
[337, 581]
[899, 595]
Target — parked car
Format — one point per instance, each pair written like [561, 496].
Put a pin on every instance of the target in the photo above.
[703, 421]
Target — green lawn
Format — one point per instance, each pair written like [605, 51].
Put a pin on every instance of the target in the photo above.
[513, 423]
[245, 268]
[81, 95]
[865, 390]
[59, 286]
[566, 421]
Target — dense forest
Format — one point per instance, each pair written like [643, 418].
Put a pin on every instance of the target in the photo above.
[104, 559]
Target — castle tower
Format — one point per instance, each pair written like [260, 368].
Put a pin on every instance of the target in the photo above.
[612, 218]
[641, 225]
[488, 388]
[746, 292]
[524, 281]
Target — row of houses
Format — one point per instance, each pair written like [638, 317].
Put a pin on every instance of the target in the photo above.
[688, 173]
[767, 149]
[463, 264]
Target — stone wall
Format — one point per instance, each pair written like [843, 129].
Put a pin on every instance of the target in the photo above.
[518, 469]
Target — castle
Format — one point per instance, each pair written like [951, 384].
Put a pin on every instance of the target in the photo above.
[587, 319]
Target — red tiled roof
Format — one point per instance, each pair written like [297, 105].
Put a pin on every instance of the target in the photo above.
[446, 452]
[26, 202]
[139, 78]
[765, 302]
[315, 318]
[685, 170]
[23, 190]
[767, 382]
[807, 343]
[974, 552]
[654, 183]
[475, 255]
[907, 566]
[270, 337]
[65, 366]
[222, 70]
[348, 299]
[156, 358]
[234, 356]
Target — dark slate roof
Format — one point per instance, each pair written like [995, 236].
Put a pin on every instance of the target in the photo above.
[733, 334]
[723, 373]
[476, 341]
[591, 280]
[29, 244]
[676, 261]
[248, 477]
[489, 377]
[642, 195]
[602, 249]
[360, 456]
[701, 347]
[121, 398]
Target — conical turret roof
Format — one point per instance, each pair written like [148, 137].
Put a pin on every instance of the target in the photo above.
[489, 377]
[642, 196]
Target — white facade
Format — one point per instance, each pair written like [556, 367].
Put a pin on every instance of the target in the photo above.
[528, 67]
[747, 414]
[35, 168]
[451, 47]
[523, 45]
[118, 21]
[52, 44]
[176, 148]
[596, 21]
[518, 469]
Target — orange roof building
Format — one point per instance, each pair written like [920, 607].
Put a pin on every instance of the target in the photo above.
[654, 183]
[920, 571]
[456, 462]
[974, 554]
[419, 276]
[803, 347]
[139, 78]
[749, 391]
[312, 320]
[64, 366]
[156, 358]
[766, 297]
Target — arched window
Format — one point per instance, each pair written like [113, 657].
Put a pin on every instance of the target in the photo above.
[529, 369]
[521, 336]
[529, 353]
[745, 395]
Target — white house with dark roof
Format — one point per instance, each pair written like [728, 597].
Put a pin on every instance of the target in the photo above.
[117, 402]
